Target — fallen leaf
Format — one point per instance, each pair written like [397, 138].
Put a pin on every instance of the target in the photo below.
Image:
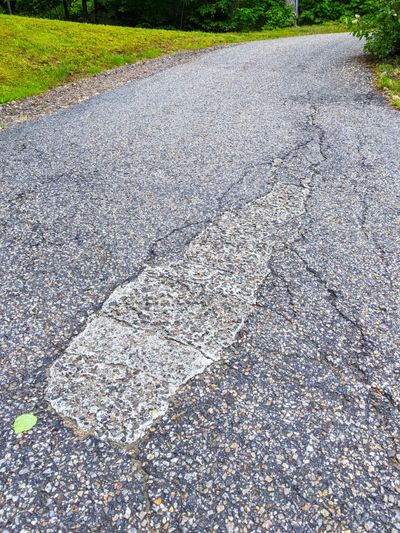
[24, 422]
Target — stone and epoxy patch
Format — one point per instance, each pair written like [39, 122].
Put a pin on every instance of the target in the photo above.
[169, 324]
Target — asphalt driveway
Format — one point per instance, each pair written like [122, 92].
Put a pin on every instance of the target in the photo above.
[294, 426]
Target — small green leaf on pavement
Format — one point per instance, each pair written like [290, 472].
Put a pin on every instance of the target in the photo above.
[24, 422]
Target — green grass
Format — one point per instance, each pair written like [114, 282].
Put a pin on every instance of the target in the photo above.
[388, 79]
[37, 54]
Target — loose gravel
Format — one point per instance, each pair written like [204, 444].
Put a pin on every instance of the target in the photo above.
[79, 91]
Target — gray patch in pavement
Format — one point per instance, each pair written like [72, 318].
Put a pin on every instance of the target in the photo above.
[159, 331]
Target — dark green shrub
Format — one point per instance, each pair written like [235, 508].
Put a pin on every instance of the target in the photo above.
[279, 16]
[254, 15]
[247, 19]
[37, 7]
[238, 15]
[317, 11]
[380, 27]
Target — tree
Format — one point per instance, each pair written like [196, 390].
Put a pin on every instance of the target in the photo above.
[85, 13]
[380, 27]
[66, 9]
[95, 10]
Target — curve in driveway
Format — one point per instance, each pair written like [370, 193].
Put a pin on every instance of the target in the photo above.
[295, 424]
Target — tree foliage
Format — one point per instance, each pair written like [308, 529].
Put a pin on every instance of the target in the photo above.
[317, 11]
[207, 15]
[380, 26]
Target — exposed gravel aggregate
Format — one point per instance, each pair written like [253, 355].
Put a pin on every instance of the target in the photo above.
[79, 91]
[175, 319]
[295, 428]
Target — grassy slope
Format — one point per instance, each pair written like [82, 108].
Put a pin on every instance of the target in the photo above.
[37, 54]
[388, 79]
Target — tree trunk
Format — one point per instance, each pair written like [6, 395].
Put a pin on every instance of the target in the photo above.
[295, 6]
[95, 10]
[66, 9]
[85, 10]
[182, 13]
[9, 7]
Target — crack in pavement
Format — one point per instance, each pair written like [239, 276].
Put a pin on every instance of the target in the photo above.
[181, 316]
[178, 317]
[290, 426]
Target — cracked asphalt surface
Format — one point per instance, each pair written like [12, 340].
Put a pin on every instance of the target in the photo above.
[295, 428]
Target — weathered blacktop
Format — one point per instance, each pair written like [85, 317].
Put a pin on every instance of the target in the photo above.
[238, 217]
